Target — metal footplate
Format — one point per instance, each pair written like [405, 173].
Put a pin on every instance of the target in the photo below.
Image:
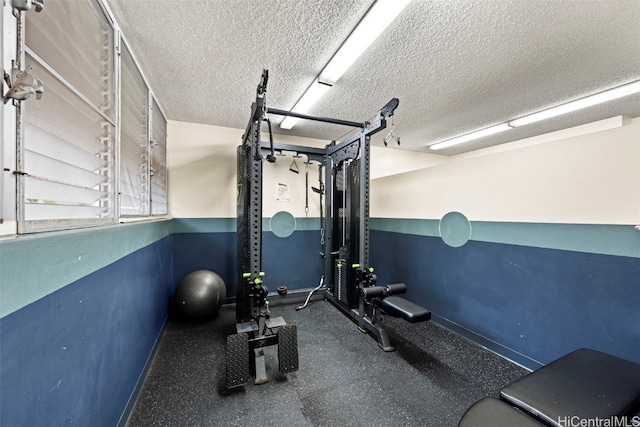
[245, 350]
[238, 370]
[288, 348]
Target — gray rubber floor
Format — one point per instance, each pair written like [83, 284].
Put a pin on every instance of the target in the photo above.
[344, 378]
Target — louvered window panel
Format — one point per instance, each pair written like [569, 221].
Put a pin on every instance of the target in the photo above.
[158, 162]
[76, 40]
[69, 135]
[134, 140]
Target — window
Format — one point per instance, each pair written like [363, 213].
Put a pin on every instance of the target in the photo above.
[69, 135]
[159, 163]
[93, 148]
[7, 129]
[134, 140]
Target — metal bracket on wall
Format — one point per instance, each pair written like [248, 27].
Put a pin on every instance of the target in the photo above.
[23, 5]
[22, 84]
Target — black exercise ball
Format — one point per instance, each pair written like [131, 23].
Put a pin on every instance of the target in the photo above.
[199, 295]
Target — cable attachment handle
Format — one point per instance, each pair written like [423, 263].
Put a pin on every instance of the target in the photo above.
[391, 136]
[294, 166]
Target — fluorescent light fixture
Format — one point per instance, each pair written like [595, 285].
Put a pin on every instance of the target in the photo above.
[471, 136]
[598, 98]
[377, 19]
[588, 101]
[304, 104]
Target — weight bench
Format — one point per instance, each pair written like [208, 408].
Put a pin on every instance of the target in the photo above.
[377, 300]
[400, 307]
[385, 297]
[583, 385]
[491, 412]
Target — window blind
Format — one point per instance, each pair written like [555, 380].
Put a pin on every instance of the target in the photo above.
[69, 135]
[134, 140]
[75, 39]
[158, 162]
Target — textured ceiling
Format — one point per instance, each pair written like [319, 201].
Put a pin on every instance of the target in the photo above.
[456, 66]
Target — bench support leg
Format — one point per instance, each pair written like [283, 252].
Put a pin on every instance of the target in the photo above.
[379, 334]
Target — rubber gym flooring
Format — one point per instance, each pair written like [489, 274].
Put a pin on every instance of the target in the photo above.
[344, 378]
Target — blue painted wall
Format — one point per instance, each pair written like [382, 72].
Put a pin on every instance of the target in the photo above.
[532, 292]
[81, 310]
[213, 251]
[210, 244]
[74, 355]
[531, 304]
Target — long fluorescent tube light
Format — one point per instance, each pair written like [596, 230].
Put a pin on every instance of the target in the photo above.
[471, 136]
[310, 97]
[598, 98]
[588, 101]
[377, 19]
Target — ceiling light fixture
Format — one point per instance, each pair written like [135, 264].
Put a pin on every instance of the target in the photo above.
[579, 104]
[377, 19]
[471, 136]
[589, 101]
[310, 97]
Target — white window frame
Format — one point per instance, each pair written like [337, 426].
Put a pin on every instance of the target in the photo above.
[110, 187]
[8, 38]
[155, 145]
[12, 200]
[145, 163]
[152, 101]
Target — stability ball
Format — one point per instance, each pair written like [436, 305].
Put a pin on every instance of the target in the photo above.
[199, 295]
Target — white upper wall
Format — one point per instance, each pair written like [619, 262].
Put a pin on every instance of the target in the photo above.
[201, 170]
[588, 175]
[201, 162]
[390, 161]
[202, 167]
[591, 178]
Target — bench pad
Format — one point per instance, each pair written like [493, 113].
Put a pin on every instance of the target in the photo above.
[585, 383]
[400, 307]
[491, 412]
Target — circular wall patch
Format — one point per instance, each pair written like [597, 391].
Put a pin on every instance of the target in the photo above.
[283, 224]
[455, 229]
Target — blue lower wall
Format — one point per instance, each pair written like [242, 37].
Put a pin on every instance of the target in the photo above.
[81, 310]
[292, 261]
[530, 304]
[74, 356]
[215, 251]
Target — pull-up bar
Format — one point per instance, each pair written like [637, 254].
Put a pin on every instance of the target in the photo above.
[316, 118]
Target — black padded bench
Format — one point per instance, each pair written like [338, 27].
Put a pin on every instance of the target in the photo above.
[586, 384]
[491, 412]
[400, 307]
[395, 306]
